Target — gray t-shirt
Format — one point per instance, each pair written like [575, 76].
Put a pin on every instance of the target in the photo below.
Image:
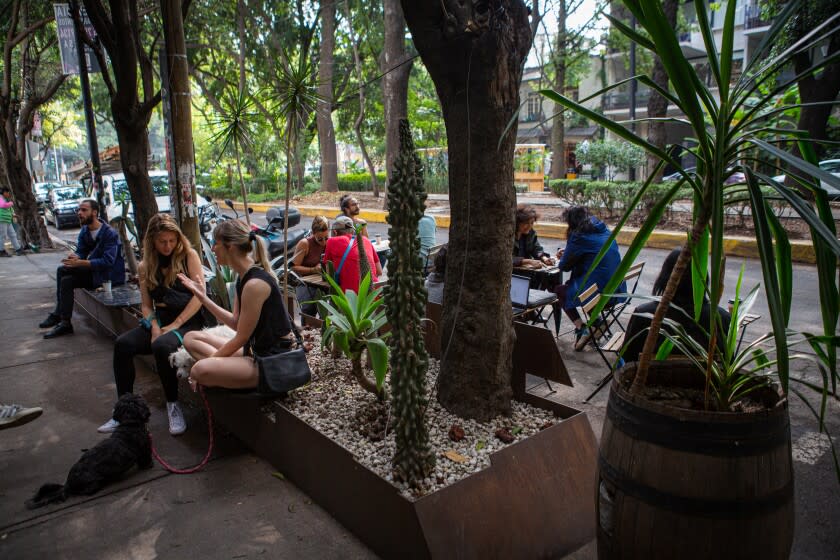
[434, 287]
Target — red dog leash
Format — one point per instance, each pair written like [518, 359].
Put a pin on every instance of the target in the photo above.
[206, 459]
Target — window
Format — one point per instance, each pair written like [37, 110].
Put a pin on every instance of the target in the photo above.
[533, 106]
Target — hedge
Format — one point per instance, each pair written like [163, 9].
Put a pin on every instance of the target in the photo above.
[612, 197]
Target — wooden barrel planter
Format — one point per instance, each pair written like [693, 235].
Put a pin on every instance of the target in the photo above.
[679, 483]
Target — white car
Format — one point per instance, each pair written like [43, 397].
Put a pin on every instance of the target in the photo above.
[830, 165]
[116, 188]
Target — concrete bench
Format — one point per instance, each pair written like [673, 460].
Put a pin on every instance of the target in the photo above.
[114, 313]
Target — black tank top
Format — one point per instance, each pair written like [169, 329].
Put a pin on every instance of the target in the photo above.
[273, 324]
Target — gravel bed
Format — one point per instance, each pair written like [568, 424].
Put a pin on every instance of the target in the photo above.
[337, 407]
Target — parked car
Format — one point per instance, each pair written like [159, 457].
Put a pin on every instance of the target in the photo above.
[42, 194]
[116, 188]
[63, 205]
[734, 178]
[830, 165]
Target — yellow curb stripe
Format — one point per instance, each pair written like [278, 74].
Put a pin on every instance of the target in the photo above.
[801, 251]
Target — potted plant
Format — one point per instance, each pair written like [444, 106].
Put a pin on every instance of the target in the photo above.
[713, 483]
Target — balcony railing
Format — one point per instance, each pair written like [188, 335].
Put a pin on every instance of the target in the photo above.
[530, 117]
[621, 99]
[753, 17]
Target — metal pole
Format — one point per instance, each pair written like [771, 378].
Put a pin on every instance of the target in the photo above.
[90, 124]
[633, 89]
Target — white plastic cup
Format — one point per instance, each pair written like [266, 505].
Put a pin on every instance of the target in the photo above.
[378, 238]
[106, 287]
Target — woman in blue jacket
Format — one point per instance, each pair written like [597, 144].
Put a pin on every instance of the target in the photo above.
[586, 235]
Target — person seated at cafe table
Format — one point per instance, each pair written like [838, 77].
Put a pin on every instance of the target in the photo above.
[342, 246]
[307, 260]
[435, 281]
[349, 206]
[527, 251]
[586, 235]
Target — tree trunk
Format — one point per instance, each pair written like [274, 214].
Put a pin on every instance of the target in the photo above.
[395, 81]
[357, 126]
[32, 228]
[558, 127]
[134, 158]
[657, 105]
[814, 119]
[326, 132]
[474, 53]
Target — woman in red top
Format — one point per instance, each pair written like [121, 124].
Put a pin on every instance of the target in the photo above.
[307, 260]
[343, 235]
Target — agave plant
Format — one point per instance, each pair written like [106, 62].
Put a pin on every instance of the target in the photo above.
[729, 128]
[352, 321]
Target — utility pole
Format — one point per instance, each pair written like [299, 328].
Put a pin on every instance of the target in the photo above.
[176, 79]
[90, 124]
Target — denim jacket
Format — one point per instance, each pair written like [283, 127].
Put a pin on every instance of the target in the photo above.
[104, 253]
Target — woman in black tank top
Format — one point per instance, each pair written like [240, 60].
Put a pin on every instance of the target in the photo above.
[259, 316]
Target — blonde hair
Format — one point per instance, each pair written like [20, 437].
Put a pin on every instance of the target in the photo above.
[236, 233]
[163, 223]
[320, 223]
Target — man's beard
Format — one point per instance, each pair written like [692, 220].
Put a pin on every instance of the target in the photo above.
[86, 221]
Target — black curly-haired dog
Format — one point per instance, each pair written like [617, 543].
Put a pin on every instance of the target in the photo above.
[128, 446]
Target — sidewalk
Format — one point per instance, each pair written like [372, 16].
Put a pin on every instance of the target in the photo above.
[234, 508]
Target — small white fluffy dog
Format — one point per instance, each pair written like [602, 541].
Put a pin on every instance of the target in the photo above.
[182, 360]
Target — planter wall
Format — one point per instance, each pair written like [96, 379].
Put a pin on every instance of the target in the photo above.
[534, 501]
[677, 483]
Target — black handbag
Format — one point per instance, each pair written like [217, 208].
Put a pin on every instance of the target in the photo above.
[280, 373]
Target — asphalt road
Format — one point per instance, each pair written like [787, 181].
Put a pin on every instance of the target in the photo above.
[805, 314]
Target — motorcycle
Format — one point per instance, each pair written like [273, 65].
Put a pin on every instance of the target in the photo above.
[272, 232]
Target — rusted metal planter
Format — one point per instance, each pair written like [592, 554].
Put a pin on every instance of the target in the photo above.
[534, 501]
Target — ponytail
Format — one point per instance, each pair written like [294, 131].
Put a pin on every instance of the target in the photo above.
[260, 255]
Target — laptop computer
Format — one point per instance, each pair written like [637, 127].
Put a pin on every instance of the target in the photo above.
[522, 297]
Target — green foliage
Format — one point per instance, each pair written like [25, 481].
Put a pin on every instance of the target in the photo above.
[613, 197]
[357, 182]
[352, 321]
[727, 124]
[405, 298]
[609, 157]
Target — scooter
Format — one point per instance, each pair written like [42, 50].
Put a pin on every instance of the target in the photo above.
[272, 232]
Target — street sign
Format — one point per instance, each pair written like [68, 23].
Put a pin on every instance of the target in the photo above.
[67, 40]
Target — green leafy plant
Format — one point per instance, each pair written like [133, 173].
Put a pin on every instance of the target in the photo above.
[352, 322]
[731, 134]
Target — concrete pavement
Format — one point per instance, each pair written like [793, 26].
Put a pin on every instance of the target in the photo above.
[235, 508]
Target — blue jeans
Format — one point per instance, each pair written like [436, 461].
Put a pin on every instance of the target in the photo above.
[7, 229]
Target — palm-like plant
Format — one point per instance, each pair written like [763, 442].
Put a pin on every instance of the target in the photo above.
[234, 128]
[352, 321]
[295, 99]
[729, 129]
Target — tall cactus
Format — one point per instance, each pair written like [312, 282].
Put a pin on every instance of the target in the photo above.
[405, 301]
[364, 263]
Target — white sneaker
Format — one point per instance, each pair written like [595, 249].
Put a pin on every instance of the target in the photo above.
[15, 415]
[177, 424]
[108, 427]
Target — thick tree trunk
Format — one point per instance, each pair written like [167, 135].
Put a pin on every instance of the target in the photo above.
[395, 81]
[134, 158]
[326, 132]
[558, 127]
[33, 230]
[657, 105]
[812, 89]
[474, 53]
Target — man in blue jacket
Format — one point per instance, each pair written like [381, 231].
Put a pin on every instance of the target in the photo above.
[98, 258]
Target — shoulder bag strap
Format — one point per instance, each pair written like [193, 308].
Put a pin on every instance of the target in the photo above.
[344, 258]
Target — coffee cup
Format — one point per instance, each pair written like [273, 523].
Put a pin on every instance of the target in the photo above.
[378, 238]
[106, 286]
